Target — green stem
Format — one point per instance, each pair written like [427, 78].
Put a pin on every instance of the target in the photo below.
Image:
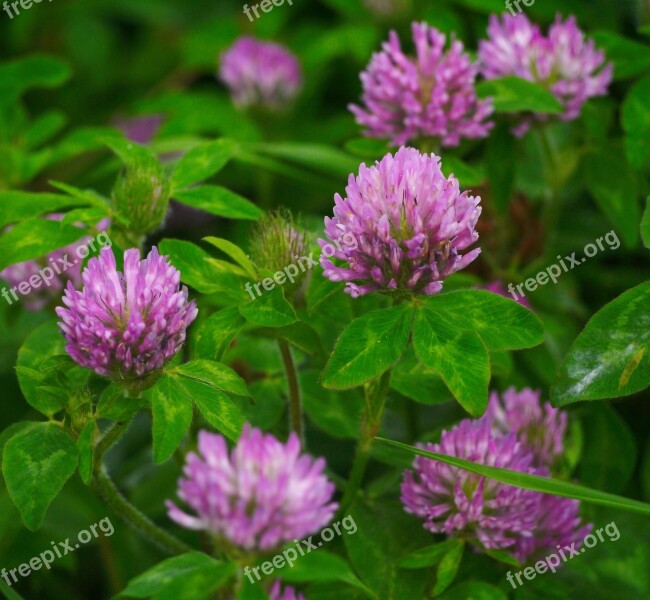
[120, 505]
[108, 439]
[553, 206]
[370, 424]
[134, 518]
[295, 405]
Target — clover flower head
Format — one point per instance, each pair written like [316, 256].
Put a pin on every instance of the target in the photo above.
[261, 74]
[456, 502]
[563, 61]
[410, 225]
[558, 523]
[262, 494]
[429, 96]
[126, 326]
[539, 426]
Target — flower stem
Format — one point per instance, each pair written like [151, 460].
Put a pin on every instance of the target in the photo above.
[134, 518]
[553, 202]
[295, 405]
[370, 424]
[119, 504]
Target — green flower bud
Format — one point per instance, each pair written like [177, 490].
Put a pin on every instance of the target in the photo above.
[141, 196]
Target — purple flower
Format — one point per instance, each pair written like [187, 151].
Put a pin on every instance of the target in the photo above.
[126, 326]
[430, 95]
[140, 129]
[262, 494]
[456, 502]
[563, 62]
[409, 223]
[63, 264]
[540, 427]
[260, 73]
[277, 593]
[558, 522]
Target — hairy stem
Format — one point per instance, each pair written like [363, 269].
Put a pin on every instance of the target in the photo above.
[295, 405]
[121, 506]
[134, 518]
[370, 424]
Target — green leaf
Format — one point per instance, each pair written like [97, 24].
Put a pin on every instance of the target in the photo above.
[215, 375]
[417, 382]
[115, 404]
[611, 183]
[171, 406]
[630, 58]
[270, 310]
[460, 357]
[336, 413]
[299, 334]
[217, 332]
[234, 252]
[321, 566]
[502, 323]
[36, 463]
[448, 568]
[546, 485]
[367, 148]
[429, 556]
[513, 95]
[611, 357]
[204, 382]
[202, 162]
[219, 201]
[199, 271]
[44, 128]
[635, 120]
[609, 453]
[368, 347]
[130, 153]
[37, 71]
[467, 175]
[86, 451]
[645, 225]
[16, 205]
[191, 576]
[317, 157]
[34, 238]
[45, 342]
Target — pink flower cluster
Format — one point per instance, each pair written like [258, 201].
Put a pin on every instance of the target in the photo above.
[428, 96]
[260, 74]
[562, 61]
[258, 496]
[516, 433]
[126, 325]
[411, 224]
